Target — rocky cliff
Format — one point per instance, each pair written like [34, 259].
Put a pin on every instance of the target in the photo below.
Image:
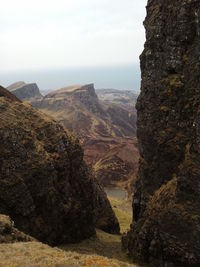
[106, 127]
[166, 205]
[45, 186]
[25, 91]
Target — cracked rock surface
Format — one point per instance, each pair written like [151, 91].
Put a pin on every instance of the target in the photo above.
[166, 205]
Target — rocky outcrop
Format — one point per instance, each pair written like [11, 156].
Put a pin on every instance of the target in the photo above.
[103, 120]
[25, 91]
[45, 186]
[8, 95]
[9, 234]
[105, 127]
[85, 94]
[166, 209]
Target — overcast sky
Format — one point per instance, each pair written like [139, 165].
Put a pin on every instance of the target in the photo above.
[40, 34]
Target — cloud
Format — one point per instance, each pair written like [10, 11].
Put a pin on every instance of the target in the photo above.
[57, 33]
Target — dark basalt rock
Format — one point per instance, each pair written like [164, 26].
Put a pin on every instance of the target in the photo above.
[166, 205]
[45, 186]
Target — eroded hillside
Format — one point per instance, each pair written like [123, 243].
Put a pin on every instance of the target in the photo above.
[105, 125]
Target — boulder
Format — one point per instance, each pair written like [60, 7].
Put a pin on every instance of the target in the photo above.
[166, 209]
[45, 186]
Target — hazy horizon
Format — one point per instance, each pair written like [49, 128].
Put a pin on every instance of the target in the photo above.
[56, 44]
[126, 77]
[50, 34]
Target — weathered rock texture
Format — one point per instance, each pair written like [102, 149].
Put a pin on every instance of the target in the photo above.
[166, 205]
[45, 186]
[25, 91]
[9, 234]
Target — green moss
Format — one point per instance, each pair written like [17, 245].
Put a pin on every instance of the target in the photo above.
[164, 108]
[175, 80]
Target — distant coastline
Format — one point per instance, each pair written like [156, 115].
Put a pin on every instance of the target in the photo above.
[125, 77]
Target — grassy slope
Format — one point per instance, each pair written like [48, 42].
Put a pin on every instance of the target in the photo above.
[104, 250]
[123, 212]
[35, 254]
[106, 244]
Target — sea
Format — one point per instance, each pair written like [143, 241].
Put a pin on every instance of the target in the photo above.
[123, 77]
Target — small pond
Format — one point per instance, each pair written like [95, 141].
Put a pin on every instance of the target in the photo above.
[116, 193]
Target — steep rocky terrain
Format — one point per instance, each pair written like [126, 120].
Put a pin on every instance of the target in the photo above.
[25, 91]
[80, 110]
[105, 126]
[166, 205]
[45, 186]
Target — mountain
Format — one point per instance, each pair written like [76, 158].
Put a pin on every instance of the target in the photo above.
[166, 204]
[126, 98]
[25, 91]
[45, 186]
[80, 110]
[105, 123]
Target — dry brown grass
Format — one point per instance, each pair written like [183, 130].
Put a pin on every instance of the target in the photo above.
[105, 244]
[35, 254]
[102, 250]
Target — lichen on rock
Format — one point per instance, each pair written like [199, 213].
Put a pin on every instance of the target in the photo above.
[166, 210]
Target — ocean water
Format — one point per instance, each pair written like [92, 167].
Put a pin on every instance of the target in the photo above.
[125, 77]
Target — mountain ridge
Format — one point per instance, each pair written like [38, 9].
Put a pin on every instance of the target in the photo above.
[104, 128]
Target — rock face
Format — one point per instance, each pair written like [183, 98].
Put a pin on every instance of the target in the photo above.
[106, 126]
[45, 186]
[9, 234]
[104, 216]
[8, 95]
[25, 91]
[166, 205]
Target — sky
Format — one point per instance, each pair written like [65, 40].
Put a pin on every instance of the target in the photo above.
[50, 34]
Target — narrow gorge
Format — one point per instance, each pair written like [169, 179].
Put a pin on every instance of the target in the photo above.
[60, 151]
